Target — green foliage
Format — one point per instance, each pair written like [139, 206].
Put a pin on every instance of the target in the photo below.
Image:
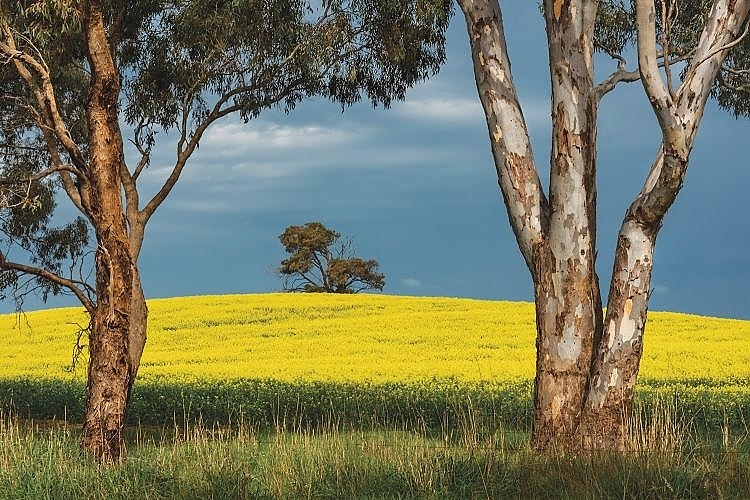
[732, 88]
[27, 197]
[321, 262]
[254, 54]
[26, 210]
[678, 33]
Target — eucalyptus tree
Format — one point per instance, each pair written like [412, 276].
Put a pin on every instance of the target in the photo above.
[80, 77]
[687, 51]
[320, 260]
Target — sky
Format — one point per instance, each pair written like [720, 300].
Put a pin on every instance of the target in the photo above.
[415, 188]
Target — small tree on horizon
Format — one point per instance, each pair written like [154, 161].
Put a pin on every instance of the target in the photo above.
[321, 261]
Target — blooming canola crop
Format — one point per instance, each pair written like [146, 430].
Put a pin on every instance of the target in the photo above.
[373, 338]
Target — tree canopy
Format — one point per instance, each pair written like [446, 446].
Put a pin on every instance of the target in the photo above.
[321, 261]
[678, 28]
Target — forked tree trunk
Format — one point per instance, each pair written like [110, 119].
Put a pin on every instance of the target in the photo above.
[606, 413]
[587, 368]
[557, 238]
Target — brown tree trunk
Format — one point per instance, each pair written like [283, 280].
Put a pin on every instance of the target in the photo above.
[116, 340]
[118, 323]
[113, 365]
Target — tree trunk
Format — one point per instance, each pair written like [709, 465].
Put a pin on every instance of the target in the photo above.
[587, 368]
[568, 318]
[557, 238]
[568, 302]
[116, 341]
[606, 415]
[118, 324]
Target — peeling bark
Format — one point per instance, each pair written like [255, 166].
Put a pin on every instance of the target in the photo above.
[567, 294]
[557, 237]
[528, 209]
[118, 323]
[604, 422]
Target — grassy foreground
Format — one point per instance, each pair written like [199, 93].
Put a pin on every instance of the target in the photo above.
[193, 462]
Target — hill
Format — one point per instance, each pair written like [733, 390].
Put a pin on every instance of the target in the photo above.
[377, 338]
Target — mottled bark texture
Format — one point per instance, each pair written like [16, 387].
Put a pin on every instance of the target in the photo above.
[586, 366]
[118, 322]
[614, 374]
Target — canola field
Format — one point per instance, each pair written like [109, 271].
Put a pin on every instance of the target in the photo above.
[360, 350]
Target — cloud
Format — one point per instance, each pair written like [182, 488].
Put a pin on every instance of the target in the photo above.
[411, 282]
[441, 109]
[447, 110]
[662, 289]
[211, 205]
[237, 139]
[237, 157]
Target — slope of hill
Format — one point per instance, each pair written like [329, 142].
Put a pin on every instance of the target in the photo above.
[377, 338]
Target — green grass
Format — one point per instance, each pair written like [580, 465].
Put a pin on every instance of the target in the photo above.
[273, 404]
[331, 462]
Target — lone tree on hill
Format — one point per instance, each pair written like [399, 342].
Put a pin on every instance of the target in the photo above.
[80, 78]
[687, 52]
[321, 261]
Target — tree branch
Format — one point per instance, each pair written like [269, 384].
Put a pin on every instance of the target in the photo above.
[679, 119]
[716, 51]
[47, 117]
[296, 283]
[41, 175]
[528, 208]
[661, 99]
[619, 76]
[322, 269]
[726, 26]
[666, 16]
[44, 94]
[144, 151]
[72, 285]
[186, 147]
[622, 75]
